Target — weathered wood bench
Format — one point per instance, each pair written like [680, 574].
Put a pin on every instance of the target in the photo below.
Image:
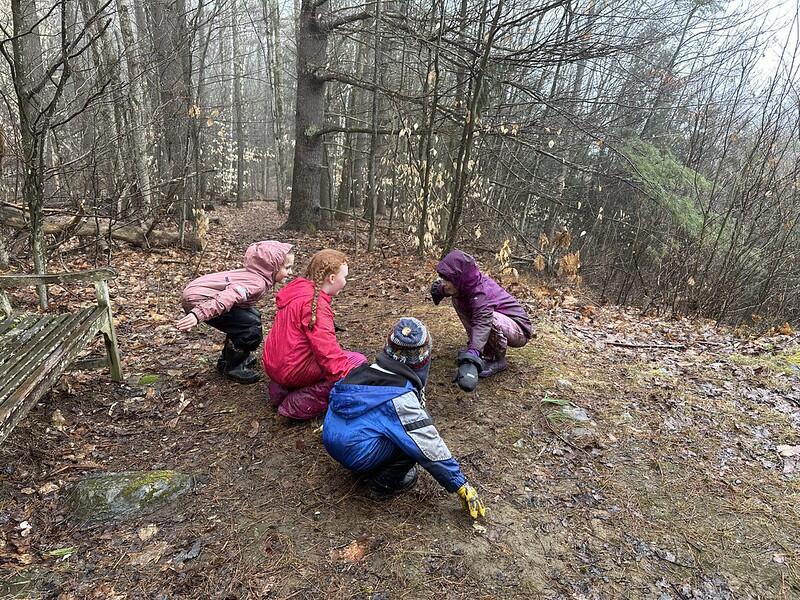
[36, 349]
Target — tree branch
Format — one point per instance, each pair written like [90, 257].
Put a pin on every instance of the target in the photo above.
[330, 23]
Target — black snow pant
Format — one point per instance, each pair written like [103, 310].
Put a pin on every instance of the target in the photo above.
[241, 325]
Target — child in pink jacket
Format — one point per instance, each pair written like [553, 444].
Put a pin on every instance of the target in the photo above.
[226, 301]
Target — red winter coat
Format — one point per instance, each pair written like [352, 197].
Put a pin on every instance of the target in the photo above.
[211, 295]
[295, 356]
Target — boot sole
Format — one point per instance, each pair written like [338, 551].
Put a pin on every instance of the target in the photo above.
[242, 381]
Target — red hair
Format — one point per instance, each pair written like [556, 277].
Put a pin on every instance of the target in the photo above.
[323, 263]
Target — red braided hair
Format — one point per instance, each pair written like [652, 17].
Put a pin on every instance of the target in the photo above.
[323, 263]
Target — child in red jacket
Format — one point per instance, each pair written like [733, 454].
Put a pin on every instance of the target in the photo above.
[301, 354]
[226, 301]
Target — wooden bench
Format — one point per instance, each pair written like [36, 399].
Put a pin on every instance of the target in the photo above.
[36, 349]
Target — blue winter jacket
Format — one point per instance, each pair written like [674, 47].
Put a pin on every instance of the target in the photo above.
[366, 424]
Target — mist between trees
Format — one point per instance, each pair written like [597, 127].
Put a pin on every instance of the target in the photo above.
[644, 142]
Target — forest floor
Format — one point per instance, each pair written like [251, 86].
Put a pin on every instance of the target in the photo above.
[680, 485]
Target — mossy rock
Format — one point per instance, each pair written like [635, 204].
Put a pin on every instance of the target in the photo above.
[571, 421]
[117, 496]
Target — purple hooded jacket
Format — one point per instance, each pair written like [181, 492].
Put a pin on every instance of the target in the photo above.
[478, 297]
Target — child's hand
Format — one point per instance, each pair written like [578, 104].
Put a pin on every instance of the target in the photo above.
[437, 293]
[187, 322]
[469, 499]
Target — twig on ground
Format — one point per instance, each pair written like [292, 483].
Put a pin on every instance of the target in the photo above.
[656, 346]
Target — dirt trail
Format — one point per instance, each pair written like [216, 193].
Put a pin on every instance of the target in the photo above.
[673, 487]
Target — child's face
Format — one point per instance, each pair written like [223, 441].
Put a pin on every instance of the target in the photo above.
[285, 269]
[335, 281]
[448, 288]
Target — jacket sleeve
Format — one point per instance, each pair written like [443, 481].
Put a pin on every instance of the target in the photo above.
[481, 323]
[327, 351]
[411, 428]
[233, 294]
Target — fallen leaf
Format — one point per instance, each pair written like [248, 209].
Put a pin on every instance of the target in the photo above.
[254, 428]
[62, 552]
[150, 554]
[48, 488]
[189, 554]
[184, 402]
[353, 552]
[146, 532]
[58, 420]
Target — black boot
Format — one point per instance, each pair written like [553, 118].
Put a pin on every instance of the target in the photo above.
[223, 357]
[232, 364]
[383, 490]
[393, 477]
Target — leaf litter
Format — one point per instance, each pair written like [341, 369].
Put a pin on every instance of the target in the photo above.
[687, 492]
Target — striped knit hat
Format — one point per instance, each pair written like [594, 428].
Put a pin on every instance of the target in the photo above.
[410, 343]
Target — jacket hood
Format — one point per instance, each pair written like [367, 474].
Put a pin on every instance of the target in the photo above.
[460, 269]
[265, 258]
[350, 400]
[299, 288]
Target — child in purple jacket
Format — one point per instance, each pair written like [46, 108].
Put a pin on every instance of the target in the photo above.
[493, 318]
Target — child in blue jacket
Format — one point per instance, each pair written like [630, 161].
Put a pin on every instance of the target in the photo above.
[377, 423]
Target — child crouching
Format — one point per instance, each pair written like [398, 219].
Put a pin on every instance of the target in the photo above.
[226, 301]
[301, 354]
[492, 318]
[377, 423]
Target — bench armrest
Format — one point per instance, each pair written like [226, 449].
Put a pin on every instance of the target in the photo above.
[17, 281]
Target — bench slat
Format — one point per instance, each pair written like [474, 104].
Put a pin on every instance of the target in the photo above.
[48, 369]
[18, 281]
[15, 329]
[15, 343]
[7, 323]
[38, 347]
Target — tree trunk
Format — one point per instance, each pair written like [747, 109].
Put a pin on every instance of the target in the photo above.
[107, 134]
[275, 74]
[312, 44]
[373, 145]
[463, 166]
[237, 107]
[426, 143]
[141, 236]
[136, 109]
[27, 50]
[171, 46]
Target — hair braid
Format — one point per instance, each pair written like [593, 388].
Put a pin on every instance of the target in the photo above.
[314, 301]
[323, 263]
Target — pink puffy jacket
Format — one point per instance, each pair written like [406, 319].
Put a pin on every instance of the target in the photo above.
[216, 293]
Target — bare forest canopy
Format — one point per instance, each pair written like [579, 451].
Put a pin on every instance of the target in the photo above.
[650, 144]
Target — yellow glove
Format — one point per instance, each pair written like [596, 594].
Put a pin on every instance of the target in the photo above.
[472, 504]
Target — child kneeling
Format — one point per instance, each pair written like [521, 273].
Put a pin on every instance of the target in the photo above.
[377, 423]
[301, 354]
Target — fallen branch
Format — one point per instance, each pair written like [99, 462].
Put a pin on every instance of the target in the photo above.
[100, 227]
[658, 346]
